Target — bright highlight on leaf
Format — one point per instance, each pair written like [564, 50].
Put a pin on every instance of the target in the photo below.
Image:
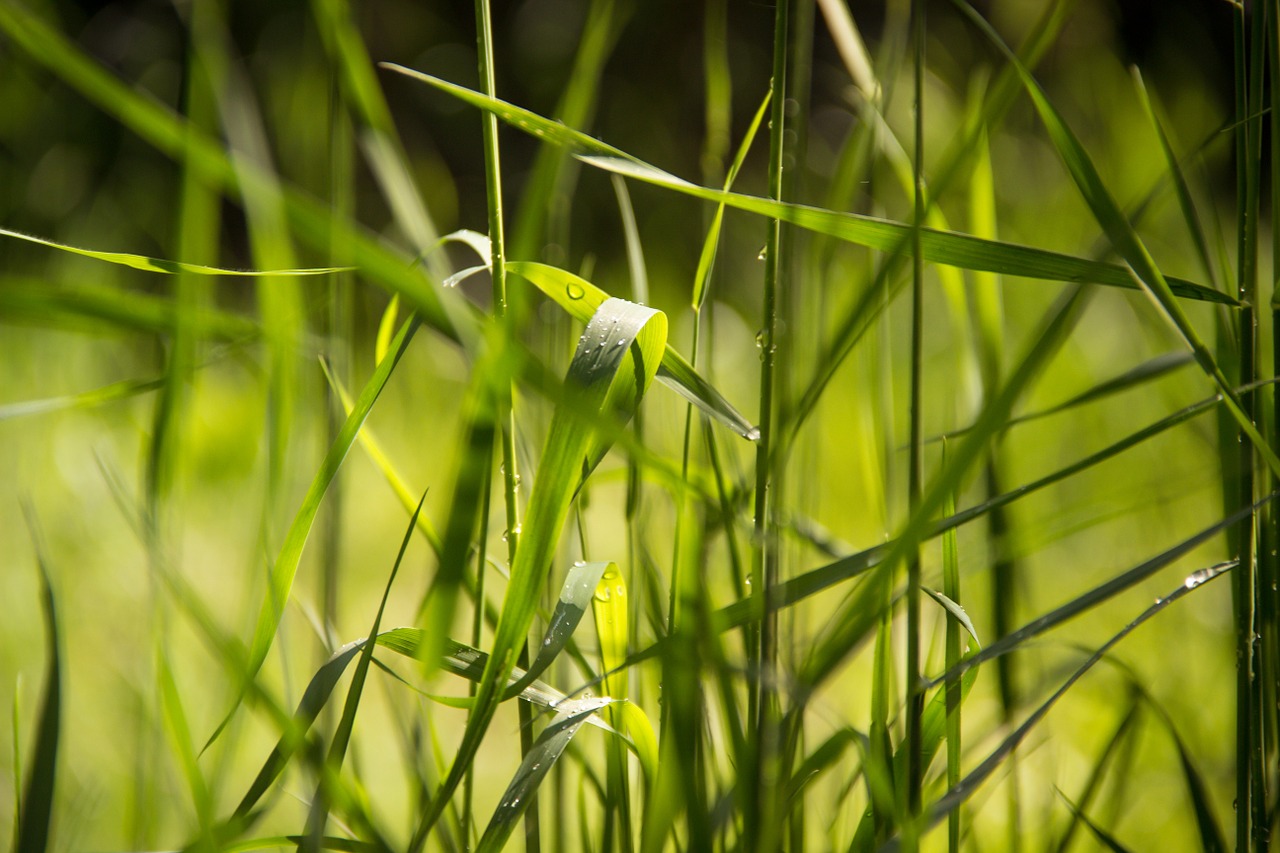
[141, 262]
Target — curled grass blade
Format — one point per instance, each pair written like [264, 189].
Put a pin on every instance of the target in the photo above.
[575, 596]
[581, 299]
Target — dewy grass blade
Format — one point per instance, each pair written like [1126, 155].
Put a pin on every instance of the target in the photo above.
[580, 298]
[1123, 237]
[961, 792]
[159, 265]
[1087, 601]
[280, 581]
[615, 363]
[575, 596]
[537, 764]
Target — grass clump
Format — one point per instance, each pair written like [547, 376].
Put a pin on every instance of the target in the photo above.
[992, 406]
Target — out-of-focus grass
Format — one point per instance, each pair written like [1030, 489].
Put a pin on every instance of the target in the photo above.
[211, 542]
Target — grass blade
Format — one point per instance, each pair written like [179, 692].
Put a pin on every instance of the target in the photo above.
[581, 299]
[159, 265]
[548, 748]
[285, 568]
[38, 793]
[1124, 238]
[615, 363]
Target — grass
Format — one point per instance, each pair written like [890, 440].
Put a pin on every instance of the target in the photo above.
[318, 500]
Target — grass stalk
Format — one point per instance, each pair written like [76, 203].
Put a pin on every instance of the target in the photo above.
[762, 824]
[1247, 150]
[505, 408]
[915, 464]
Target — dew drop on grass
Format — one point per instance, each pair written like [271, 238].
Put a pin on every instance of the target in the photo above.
[574, 291]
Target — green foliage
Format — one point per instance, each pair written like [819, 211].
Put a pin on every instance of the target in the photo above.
[242, 222]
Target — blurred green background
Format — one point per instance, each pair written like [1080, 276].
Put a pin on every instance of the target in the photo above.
[70, 173]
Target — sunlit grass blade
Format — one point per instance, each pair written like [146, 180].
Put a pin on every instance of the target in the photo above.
[1124, 238]
[35, 820]
[581, 299]
[280, 581]
[83, 400]
[159, 265]
[614, 365]
[949, 248]
[706, 260]
[575, 597]
[961, 792]
[382, 462]
[536, 765]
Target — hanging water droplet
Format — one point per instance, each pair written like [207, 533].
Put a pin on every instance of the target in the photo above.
[764, 253]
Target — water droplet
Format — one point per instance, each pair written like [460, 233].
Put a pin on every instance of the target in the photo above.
[620, 591]
[753, 434]
[1196, 578]
[574, 291]
[579, 563]
[515, 801]
[764, 253]
[546, 641]
[620, 343]
[602, 594]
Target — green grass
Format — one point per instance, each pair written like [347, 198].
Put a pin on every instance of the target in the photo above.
[903, 532]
